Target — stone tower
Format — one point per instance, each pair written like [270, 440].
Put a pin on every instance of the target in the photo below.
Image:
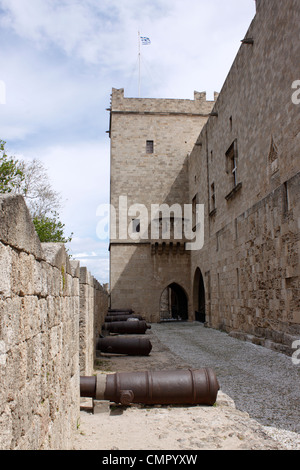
[150, 142]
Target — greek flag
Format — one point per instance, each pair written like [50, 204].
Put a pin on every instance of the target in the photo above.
[145, 41]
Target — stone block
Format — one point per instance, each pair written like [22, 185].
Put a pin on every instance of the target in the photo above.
[101, 406]
[6, 430]
[56, 255]
[296, 317]
[5, 270]
[75, 268]
[16, 227]
[10, 321]
[85, 276]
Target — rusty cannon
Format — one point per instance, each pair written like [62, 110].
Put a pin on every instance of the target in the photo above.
[119, 311]
[186, 387]
[121, 345]
[110, 318]
[127, 327]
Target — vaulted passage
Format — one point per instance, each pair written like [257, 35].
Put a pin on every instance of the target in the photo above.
[199, 297]
[173, 304]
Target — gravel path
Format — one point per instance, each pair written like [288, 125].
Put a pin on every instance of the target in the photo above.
[263, 383]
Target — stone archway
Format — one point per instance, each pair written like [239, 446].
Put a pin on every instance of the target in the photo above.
[199, 297]
[173, 304]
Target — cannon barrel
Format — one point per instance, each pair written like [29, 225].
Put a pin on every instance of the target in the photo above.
[121, 345]
[120, 310]
[110, 318]
[117, 313]
[127, 327]
[88, 387]
[189, 387]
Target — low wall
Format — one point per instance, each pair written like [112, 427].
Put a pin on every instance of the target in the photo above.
[41, 301]
[93, 308]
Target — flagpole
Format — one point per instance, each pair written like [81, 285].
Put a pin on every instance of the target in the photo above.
[139, 40]
[144, 41]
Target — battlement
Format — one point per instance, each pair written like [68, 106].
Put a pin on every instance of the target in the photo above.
[200, 106]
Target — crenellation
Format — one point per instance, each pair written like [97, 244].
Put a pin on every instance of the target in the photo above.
[154, 106]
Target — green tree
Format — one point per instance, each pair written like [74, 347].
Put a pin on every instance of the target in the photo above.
[50, 229]
[30, 179]
[40, 197]
[11, 174]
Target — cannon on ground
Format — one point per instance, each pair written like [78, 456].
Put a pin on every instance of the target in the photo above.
[110, 318]
[189, 387]
[120, 310]
[121, 345]
[117, 313]
[126, 327]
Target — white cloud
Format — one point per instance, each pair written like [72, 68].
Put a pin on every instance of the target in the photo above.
[98, 267]
[93, 254]
[80, 173]
[60, 59]
[51, 99]
[106, 32]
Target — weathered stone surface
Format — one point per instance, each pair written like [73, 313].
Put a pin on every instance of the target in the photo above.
[56, 255]
[250, 259]
[16, 228]
[39, 335]
[93, 308]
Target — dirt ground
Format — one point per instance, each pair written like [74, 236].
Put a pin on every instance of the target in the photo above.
[144, 427]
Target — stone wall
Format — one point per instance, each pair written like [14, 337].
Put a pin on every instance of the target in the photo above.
[39, 335]
[93, 308]
[250, 259]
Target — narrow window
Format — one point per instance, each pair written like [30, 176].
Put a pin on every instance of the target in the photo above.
[212, 197]
[149, 146]
[236, 228]
[285, 198]
[194, 212]
[232, 162]
[208, 285]
[273, 157]
[238, 283]
[234, 170]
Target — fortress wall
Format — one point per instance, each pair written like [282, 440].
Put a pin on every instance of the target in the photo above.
[40, 316]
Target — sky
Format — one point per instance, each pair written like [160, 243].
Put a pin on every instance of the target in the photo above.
[60, 59]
